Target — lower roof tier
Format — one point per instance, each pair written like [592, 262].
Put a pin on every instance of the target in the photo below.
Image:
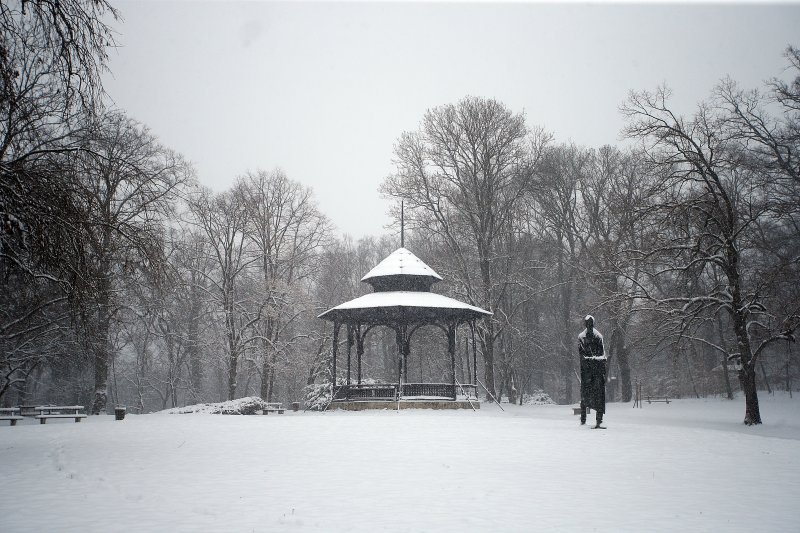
[397, 307]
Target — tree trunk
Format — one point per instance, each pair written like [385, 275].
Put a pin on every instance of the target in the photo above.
[764, 375]
[265, 373]
[728, 389]
[747, 375]
[100, 342]
[689, 370]
[100, 379]
[747, 378]
[233, 356]
[486, 338]
[620, 353]
[193, 345]
[486, 333]
[233, 369]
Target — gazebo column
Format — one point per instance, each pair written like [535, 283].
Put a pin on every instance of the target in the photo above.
[359, 349]
[466, 358]
[451, 349]
[406, 353]
[403, 349]
[474, 357]
[349, 349]
[334, 349]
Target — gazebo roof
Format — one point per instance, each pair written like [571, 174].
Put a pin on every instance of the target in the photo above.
[402, 284]
[402, 307]
[401, 271]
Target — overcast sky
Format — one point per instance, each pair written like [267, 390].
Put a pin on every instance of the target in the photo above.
[323, 90]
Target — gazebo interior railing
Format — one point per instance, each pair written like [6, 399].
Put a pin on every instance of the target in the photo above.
[407, 391]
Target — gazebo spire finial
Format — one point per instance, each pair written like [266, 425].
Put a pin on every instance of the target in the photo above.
[402, 226]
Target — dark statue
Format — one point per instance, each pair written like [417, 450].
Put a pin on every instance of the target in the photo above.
[593, 371]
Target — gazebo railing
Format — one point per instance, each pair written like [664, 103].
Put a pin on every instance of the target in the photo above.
[382, 391]
[428, 390]
[389, 391]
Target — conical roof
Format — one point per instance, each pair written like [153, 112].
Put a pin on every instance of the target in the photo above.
[401, 270]
[402, 284]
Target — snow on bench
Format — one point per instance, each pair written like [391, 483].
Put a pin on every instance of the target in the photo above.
[59, 411]
[11, 414]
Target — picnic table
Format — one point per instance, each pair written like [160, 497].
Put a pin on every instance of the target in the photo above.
[59, 411]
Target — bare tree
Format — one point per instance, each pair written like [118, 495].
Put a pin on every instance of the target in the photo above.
[461, 176]
[613, 192]
[287, 232]
[710, 204]
[555, 198]
[124, 184]
[52, 56]
[223, 219]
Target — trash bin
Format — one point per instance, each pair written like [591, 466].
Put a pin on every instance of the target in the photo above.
[119, 413]
[295, 406]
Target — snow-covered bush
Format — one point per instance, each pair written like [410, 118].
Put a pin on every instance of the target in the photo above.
[537, 397]
[318, 396]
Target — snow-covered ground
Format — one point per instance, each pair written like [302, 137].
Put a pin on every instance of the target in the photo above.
[687, 466]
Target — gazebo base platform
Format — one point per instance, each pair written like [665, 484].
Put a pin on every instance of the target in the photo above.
[402, 404]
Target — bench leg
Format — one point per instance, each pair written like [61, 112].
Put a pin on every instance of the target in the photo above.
[13, 422]
[77, 419]
[42, 420]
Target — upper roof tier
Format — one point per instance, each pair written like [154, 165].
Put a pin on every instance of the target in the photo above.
[401, 271]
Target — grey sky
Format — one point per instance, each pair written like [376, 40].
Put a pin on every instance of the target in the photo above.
[324, 90]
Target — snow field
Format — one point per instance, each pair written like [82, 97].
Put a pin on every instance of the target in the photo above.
[690, 465]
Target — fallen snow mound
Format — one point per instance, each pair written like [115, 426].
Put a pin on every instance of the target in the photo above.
[538, 397]
[242, 406]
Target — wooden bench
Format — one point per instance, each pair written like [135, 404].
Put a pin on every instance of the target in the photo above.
[651, 399]
[11, 414]
[59, 411]
[273, 408]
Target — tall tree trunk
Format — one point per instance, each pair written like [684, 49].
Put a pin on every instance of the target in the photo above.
[233, 352]
[620, 353]
[764, 375]
[193, 344]
[486, 333]
[100, 340]
[689, 370]
[567, 355]
[486, 339]
[728, 388]
[101, 360]
[747, 374]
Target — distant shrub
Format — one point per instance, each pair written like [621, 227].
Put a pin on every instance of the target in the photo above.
[318, 396]
[537, 397]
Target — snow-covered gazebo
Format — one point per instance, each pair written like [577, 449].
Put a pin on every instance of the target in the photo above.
[401, 300]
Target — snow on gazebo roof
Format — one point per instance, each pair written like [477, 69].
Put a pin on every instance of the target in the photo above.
[393, 304]
[402, 284]
[401, 262]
